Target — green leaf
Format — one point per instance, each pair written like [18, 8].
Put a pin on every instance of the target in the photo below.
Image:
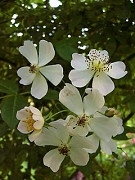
[8, 86]
[52, 95]
[9, 108]
[66, 48]
[3, 129]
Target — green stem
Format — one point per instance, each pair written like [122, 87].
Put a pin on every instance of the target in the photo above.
[56, 114]
[9, 95]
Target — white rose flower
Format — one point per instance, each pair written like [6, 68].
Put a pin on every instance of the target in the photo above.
[65, 146]
[31, 120]
[98, 68]
[38, 72]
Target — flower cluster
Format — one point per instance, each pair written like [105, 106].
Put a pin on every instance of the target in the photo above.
[90, 125]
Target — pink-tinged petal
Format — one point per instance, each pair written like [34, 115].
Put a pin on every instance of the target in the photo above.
[108, 147]
[34, 135]
[23, 113]
[103, 127]
[103, 83]
[117, 70]
[80, 78]
[47, 137]
[35, 111]
[70, 97]
[93, 102]
[95, 141]
[79, 156]
[78, 61]
[53, 159]
[54, 73]
[39, 86]
[29, 52]
[46, 52]
[23, 127]
[26, 77]
[38, 124]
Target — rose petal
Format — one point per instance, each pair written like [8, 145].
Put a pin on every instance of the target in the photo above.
[78, 61]
[26, 77]
[80, 78]
[79, 156]
[70, 97]
[29, 52]
[93, 101]
[39, 86]
[53, 159]
[103, 83]
[46, 52]
[117, 70]
[54, 73]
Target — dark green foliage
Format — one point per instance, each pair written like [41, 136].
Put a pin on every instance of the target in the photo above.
[74, 26]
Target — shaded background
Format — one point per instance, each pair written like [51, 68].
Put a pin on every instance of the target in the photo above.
[72, 26]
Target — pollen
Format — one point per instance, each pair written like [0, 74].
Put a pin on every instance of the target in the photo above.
[29, 123]
[82, 121]
[98, 61]
[34, 68]
[64, 149]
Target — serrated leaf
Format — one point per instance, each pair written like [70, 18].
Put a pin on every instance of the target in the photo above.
[66, 48]
[8, 86]
[9, 107]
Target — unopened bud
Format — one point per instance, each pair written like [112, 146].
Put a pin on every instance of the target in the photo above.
[110, 112]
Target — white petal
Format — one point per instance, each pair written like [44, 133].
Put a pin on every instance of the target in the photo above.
[93, 101]
[79, 156]
[46, 52]
[23, 127]
[47, 137]
[26, 77]
[29, 52]
[53, 160]
[101, 112]
[80, 78]
[119, 126]
[108, 147]
[23, 113]
[34, 135]
[103, 127]
[103, 83]
[39, 86]
[84, 142]
[117, 70]
[54, 73]
[60, 131]
[35, 110]
[70, 97]
[78, 61]
[95, 141]
[38, 124]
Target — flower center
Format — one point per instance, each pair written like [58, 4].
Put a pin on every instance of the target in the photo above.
[82, 121]
[29, 122]
[98, 65]
[98, 61]
[64, 149]
[34, 68]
